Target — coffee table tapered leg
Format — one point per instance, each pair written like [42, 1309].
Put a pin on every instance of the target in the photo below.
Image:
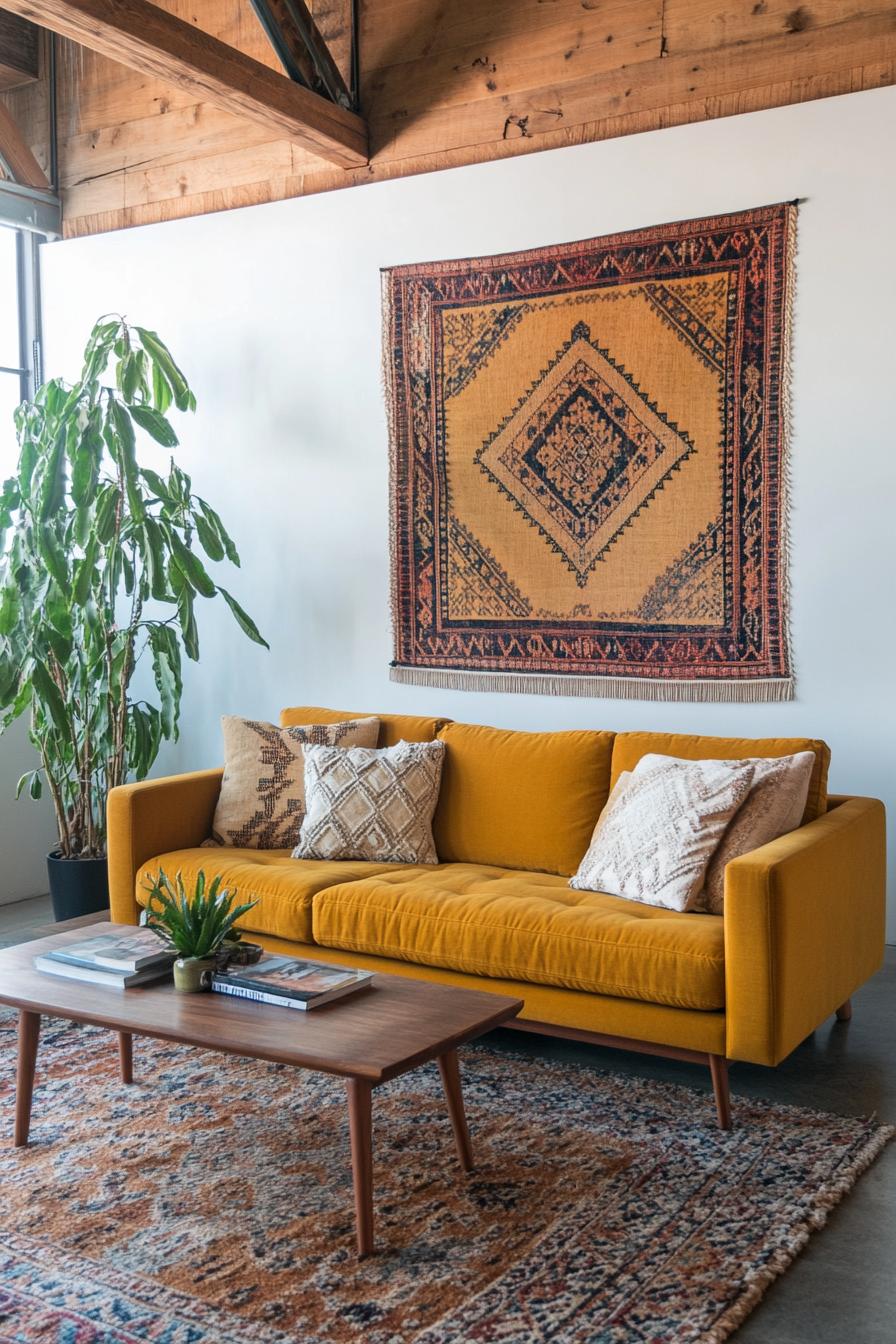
[29, 1030]
[448, 1068]
[360, 1128]
[126, 1056]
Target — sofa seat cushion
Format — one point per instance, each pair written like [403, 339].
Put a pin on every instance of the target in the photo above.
[527, 926]
[283, 886]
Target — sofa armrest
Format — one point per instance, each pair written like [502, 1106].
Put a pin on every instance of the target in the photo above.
[151, 818]
[804, 928]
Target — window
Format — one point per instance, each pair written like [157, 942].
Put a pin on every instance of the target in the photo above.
[19, 333]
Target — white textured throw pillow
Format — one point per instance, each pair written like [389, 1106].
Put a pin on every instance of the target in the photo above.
[775, 805]
[659, 830]
[371, 804]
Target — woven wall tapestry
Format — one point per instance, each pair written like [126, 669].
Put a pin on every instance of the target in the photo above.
[587, 447]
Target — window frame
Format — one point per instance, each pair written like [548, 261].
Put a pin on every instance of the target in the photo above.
[29, 368]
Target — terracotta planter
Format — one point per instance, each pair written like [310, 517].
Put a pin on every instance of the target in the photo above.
[193, 975]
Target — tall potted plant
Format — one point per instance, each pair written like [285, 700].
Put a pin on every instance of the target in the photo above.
[99, 570]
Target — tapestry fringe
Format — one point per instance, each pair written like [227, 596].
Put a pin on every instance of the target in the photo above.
[785, 485]
[610, 688]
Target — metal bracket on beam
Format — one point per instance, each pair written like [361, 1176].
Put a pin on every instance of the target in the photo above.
[303, 53]
[29, 209]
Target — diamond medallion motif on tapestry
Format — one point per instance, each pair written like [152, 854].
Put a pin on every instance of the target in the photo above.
[582, 453]
[587, 449]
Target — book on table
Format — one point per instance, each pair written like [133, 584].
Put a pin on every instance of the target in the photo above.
[290, 982]
[120, 960]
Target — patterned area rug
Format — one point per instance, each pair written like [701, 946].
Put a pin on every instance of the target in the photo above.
[211, 1203]
[588, 464]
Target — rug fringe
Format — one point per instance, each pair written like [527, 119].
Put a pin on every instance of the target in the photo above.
[815, 1218]
[611, 688]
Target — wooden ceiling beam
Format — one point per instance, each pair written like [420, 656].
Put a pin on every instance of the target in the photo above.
[16, 155]
[19, 52]
[145, 38]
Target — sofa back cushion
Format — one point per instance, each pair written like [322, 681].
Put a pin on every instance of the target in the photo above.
[628, 749]
[520, 800]
[393, 727]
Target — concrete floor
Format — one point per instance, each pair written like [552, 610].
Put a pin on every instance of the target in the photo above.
[842, 1289]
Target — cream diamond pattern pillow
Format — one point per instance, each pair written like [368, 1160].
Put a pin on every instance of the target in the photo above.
[775, 805]
[262, 800]
[375, 805]
[659, 830]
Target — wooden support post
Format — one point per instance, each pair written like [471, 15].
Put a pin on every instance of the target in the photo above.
[16, 154]
[844, 1012]
[718, 1068]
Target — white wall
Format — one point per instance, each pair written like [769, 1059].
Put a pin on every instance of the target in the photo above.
[274, 312]
[27, 831]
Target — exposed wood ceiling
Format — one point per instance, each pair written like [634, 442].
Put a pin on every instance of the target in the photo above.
[159, 45]
[443, 82]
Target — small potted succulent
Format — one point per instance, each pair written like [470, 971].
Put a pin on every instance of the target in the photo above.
[197, 926]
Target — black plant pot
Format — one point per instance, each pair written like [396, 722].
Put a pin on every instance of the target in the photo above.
[77, 886]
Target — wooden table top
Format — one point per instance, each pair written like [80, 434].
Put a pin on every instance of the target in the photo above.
[376, 1034]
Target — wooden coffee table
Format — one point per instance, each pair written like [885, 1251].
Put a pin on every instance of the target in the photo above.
[378, 1034]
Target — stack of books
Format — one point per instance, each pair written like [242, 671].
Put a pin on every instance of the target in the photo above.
[117, 960]
[289, 982]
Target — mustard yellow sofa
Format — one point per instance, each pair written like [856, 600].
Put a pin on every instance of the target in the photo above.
[803, 924]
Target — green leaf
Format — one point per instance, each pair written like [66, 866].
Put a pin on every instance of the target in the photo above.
[214, 522]
[243, 619]
[130, 376]
[52, 485]
[85, 458]
[188, 623]
[160, 355]
[161, 389]
[51, 696]
[155, 424]
[27, 464]
[156, 483]
[85, 570]
[53, 555]
[191, 567]
[33, 780]
[107, 512]
[120, 440]
[10, 605]
[166, 679]
[208, 538]
[150, 539]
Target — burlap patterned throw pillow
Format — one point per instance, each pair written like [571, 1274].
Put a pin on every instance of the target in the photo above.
[375, 805]
[775, 805]
[659, 830]
[262, 799]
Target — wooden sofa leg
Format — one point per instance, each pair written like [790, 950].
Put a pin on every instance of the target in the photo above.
[844, 1012]
[718, 1067]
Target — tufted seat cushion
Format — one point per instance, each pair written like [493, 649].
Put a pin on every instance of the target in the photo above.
[283, 886]
[526, 926]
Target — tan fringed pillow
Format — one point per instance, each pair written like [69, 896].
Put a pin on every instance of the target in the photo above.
[775, 805]
[375, 805]
[262, 799]
[659, 830]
